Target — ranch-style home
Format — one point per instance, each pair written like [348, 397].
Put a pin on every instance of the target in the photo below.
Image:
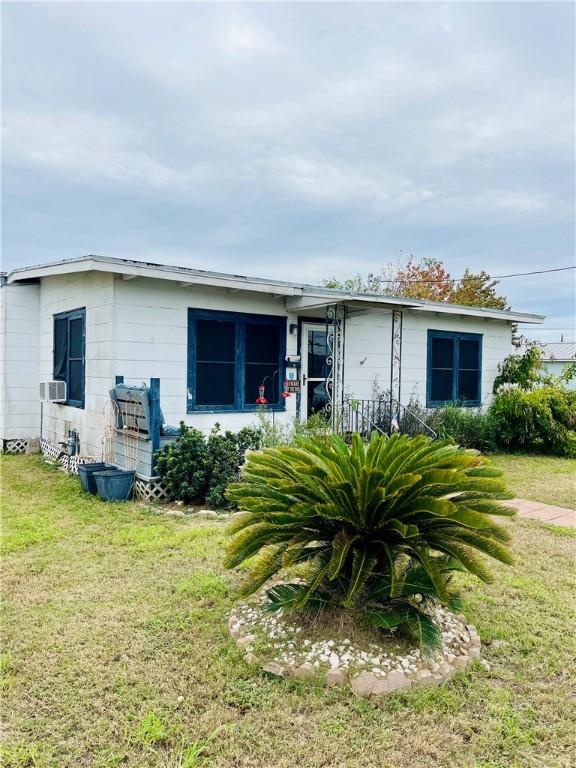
[216, 347]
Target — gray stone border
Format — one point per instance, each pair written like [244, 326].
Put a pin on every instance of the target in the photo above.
[435, 671]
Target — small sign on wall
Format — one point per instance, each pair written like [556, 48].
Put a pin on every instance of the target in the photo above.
[292, 386]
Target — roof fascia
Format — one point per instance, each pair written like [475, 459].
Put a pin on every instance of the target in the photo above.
[298, 297]
[506, 316]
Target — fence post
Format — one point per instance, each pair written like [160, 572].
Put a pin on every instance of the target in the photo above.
[155, 418]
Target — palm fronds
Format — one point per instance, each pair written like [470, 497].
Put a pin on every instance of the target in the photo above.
[374, 523]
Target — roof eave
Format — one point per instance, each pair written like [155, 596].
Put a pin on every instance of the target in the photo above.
[300, 296]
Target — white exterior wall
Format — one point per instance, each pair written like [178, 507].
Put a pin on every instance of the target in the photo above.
[369, 342]
[19, 326]
[95, 292]
[151, 341]
[367, 353]
[496, 345]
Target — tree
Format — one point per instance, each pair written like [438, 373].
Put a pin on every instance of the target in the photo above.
[477, 290]
[427, 279]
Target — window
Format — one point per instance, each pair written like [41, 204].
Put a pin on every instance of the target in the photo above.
[69, 354]
[230, 355]
[454, 368]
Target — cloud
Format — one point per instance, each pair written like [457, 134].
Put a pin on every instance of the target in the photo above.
[304, 138]
[242, 38]
[92, 146]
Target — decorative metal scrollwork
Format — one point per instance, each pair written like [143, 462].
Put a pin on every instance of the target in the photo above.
[334, 361]
[396, 362]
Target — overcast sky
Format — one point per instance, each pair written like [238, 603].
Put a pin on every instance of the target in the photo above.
[295, 141]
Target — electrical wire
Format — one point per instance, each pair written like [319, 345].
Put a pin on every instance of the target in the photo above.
[491, 277]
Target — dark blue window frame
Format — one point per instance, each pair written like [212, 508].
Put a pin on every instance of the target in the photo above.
[456, 338]
[64, 374]
[240, 320]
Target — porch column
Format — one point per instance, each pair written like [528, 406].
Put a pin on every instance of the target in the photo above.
[335, 318]
[396, 360]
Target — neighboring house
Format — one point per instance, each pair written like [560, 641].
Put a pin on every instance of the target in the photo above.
[557, 357]
[213, 339]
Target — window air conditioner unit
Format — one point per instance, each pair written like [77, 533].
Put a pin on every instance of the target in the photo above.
[53, 391]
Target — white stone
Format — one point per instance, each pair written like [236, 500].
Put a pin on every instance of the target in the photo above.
[334, 660]
[243, 642]
[273, 668]
[304, 670]
[425, 677]
[335, 676]
[396, 681]
[364, 683]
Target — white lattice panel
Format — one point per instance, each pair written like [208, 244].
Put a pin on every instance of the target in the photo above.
[70, 463]
[15, 446]
[150, 490]
[50, 450]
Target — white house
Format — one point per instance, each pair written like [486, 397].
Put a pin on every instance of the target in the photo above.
[557, 356]
[213, 339]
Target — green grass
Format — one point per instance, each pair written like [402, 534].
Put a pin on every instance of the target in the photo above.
[549, 479]
[116, 654]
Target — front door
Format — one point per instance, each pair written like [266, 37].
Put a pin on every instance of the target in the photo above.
[313, 350]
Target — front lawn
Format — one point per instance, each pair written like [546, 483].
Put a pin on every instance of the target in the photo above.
[116, 654]
[549, 479]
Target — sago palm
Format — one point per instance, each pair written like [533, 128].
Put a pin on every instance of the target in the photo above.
[378, 528]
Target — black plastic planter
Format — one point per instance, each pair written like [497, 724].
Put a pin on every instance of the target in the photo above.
[86, 474]
[115, 484]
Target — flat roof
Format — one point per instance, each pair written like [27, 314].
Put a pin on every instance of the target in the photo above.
[300, 296]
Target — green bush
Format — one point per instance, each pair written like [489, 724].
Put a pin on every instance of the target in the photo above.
[194, 468]
[225, 457]
[274, 434]
[468, 427]
[183, 465]
[379, 528]
[525, 370]
[540, 420]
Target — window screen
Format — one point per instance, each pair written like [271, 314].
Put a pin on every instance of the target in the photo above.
[442, 368]
[261, 366]
[454, 368]
[317, 353]
[60, 348]
[215, 362]
[230, 355]
[468, 370]
[69, 354]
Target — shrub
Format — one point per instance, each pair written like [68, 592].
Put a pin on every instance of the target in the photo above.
[378, 528]
[540, 420]
[524, 370]
[274, 434]
[468, 427]
[183, 465]
[195, 468]
[225, 457]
